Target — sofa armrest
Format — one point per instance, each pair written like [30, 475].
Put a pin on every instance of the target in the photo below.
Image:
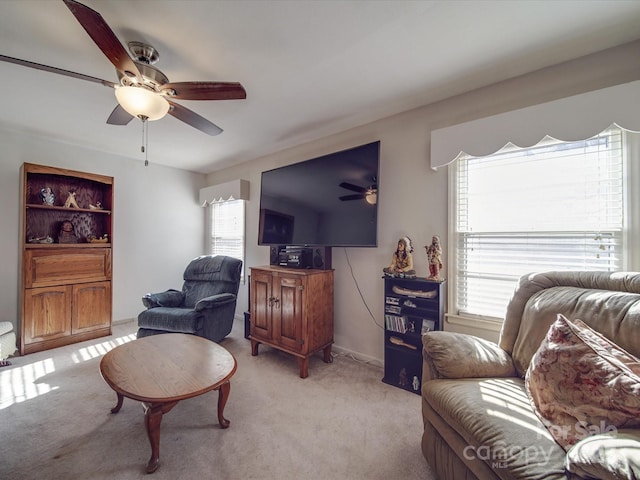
[608, 456]
[215, 301]
[170, 298]
[458, 355]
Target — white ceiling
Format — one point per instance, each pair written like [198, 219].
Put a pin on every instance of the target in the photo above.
[311, 68]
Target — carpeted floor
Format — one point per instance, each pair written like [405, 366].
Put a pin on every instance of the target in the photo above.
[341, 422]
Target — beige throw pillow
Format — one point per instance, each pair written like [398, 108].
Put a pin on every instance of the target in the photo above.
[582, 384]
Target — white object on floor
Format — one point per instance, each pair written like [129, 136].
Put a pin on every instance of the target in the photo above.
[7, 340]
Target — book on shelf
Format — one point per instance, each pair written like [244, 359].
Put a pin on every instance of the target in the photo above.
[392, 301]
[396, 323]
[395, 309]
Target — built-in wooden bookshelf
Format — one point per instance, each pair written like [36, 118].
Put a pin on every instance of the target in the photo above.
[66, 272]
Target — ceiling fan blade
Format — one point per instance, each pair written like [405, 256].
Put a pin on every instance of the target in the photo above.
[205, 90]
[353, 197]
[352, 187]
[119, 116]
[192, 118]
[104, 38]
[59, 71]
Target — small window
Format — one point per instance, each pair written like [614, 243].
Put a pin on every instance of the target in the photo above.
[227, 229]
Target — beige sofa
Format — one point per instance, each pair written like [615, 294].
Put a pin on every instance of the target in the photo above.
[479, 419]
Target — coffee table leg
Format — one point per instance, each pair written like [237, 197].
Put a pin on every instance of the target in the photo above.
[152, 420]
[118, 406]
[223, 396]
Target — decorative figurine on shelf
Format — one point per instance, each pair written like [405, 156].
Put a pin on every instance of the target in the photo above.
[97, 206]
[47, 196]
[402, 260]
[93, 239]
[71, 201]
[67, 235]
[434, 256]
[416, 383]
[403, 378]
[43, 239]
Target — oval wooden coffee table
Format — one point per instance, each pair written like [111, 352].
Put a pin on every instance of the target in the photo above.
[161, 370]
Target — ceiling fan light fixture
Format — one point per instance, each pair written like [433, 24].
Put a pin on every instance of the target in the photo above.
[371, 198]
[140, 102]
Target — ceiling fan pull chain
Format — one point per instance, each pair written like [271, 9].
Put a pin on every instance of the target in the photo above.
[145, 141]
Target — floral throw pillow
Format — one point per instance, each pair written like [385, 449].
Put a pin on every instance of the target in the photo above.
[581, 384]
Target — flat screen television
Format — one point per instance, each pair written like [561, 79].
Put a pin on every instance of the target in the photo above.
[329, 201]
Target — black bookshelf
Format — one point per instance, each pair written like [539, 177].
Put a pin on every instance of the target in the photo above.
[412, 307]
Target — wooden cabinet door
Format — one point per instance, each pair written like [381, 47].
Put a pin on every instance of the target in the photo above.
[287, 311]
[91, 306]
[261, 301]
[47, 313]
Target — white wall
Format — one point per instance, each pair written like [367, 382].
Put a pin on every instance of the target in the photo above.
[158, 224]
[413, 198]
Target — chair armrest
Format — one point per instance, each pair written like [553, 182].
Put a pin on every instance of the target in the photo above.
[458, 355]
[215, 301]
[170, 298]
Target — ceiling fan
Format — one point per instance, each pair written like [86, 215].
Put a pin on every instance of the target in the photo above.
[369, 194]
[143, 91]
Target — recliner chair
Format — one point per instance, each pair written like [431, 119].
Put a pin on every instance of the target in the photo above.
[205, 306]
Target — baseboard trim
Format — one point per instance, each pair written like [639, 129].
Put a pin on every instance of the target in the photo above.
[357, 356]
[123, 321]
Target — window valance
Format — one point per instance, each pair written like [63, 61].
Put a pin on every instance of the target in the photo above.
[233, 190]
[573, 118]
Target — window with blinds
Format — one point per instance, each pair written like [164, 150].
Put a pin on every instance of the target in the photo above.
[554, 206]
[227, 229]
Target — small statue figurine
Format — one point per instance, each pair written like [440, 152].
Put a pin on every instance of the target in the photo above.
[403, 378]
[416, 383]
[43, 239]
[67, 235]
[402, 260]
[103, 239]
[97, 206]
[71, 201]
[47, 196]
[434, 256]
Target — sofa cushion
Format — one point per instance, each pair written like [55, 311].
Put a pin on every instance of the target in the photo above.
[498, 425]
[580, 383]
[607, 302]
[612, 456]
